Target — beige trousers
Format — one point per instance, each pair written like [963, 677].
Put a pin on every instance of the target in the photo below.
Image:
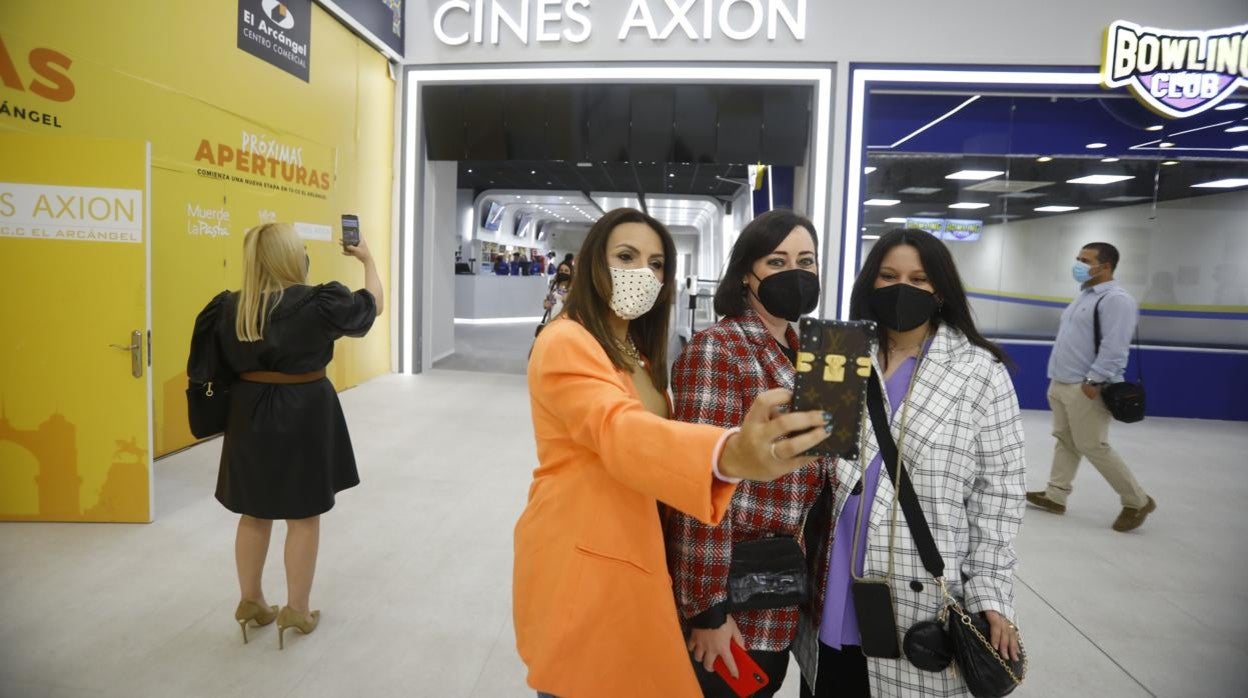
[1081, 426]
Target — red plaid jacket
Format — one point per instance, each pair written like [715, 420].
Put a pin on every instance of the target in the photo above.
[715, 381]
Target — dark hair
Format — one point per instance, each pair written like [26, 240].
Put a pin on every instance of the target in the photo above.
[567, 258]
[1105, 253]
[589, 299]
[760, 238]
[942, 273]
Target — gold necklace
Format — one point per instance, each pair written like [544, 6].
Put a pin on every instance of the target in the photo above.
[630, 350]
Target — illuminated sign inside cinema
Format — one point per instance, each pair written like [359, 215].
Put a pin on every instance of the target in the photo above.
[460, 22]
[1176, 73]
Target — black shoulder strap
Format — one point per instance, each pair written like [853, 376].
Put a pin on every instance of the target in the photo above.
[1096, 328]
[932, 561]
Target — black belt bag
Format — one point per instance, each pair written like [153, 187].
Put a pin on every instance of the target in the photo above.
[767, 573]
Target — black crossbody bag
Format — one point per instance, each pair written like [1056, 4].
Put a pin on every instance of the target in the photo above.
[956, 634]
[1125, 401]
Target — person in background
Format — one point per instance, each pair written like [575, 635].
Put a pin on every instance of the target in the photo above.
[1078, 369]
[592, 601]
[501, 267]
[569, 263]
[550, 263]
[517, 263]
[955, 419]
[771, 280]
[557, 294]
[286, 450]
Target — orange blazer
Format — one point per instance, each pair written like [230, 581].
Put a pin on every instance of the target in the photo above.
[592, 600]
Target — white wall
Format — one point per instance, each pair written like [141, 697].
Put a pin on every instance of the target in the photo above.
[998, 32]
[443, 216]
[1187, 239]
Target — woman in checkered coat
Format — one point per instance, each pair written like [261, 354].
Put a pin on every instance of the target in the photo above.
[955, 417]
[771, 280]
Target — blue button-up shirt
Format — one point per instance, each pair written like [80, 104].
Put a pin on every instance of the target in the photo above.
[1074, 356]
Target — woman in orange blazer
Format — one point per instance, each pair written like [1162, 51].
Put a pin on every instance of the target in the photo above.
[592, 599]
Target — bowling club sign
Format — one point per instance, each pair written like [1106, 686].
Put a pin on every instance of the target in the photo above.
[1173, 72]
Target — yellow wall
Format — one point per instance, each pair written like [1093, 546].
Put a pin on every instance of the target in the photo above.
[170, 73]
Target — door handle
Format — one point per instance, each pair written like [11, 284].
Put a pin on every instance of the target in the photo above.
[136, 353]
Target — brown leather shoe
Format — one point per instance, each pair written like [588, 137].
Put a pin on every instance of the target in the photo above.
[1130, 519]
[1039, 499]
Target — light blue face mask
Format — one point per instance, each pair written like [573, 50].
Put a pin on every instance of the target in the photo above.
[1081, 271]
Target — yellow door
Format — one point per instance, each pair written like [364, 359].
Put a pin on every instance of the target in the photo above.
[75, 440]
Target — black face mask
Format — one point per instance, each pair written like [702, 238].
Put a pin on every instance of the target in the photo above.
[902, 307]
[789, 294]
[561, 277]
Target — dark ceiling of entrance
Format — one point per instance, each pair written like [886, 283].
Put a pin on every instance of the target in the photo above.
[670, 139]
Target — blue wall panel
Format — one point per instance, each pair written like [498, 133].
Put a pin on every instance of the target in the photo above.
[1179, 383]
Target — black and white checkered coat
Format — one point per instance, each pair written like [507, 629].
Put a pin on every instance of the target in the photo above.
[963, 447]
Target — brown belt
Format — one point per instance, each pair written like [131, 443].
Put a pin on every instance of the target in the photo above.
[282, 378]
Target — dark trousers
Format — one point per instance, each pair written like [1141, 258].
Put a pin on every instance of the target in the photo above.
[774, 664]
[842, 674]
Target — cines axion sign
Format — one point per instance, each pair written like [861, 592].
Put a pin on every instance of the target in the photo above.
[460, 22]
[1176, 73]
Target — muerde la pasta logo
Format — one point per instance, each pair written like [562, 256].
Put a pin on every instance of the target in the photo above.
[1176, 73]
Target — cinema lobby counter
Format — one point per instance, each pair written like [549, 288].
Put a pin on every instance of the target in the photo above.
[490, 297]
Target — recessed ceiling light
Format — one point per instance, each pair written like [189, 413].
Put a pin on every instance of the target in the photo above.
[1099, 179]
[974, 175]
[1240, 147]
[919, 190]
[870, 237]
[470, 169]
[1170, 162]
[1056, 209]
[1155, 127]
[1005, 216]
[1125, 199]
[929, 213]
[671, 174]
[1165, 144]
[1231, 183]
[1230, 106]
[968, 204]
[532, 171]
[1095, 146]
[1109, 159]
[894, 220]
[869, 170]
[1044, 158]
[1233, 129]
[528, 202]
[881, 202]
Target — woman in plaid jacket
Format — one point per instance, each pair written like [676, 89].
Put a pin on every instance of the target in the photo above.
[771, 280]
[955, 418]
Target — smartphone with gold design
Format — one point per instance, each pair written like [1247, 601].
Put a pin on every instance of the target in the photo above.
[833, 366]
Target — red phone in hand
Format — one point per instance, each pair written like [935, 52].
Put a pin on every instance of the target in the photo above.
[750, 677]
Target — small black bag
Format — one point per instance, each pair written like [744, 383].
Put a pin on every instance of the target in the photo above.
[207, 407]
[767, 573]
[208, 387]
[987, 673]
[542, 325]
[1125, 401]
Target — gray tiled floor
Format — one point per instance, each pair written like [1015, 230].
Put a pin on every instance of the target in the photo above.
[415, 569]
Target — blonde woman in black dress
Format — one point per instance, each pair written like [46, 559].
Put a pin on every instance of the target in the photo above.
[286, 450]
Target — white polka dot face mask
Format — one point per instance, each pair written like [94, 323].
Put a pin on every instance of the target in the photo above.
[633, 291]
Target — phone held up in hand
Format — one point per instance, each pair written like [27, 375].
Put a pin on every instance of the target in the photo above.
[833, 366]
[350, 231]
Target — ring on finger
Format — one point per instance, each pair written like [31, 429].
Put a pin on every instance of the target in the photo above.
[772, 448]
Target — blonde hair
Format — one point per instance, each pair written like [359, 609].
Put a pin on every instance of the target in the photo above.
[273, 259]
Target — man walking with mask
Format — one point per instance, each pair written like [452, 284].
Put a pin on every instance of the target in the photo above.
[1078, 369]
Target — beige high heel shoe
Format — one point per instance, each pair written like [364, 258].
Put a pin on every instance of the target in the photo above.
[290, 618]
[252, 612]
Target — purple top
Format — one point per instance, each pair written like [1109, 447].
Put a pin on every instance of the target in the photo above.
[840, 624]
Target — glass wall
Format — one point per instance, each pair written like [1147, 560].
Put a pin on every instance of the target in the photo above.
[1017, 183]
